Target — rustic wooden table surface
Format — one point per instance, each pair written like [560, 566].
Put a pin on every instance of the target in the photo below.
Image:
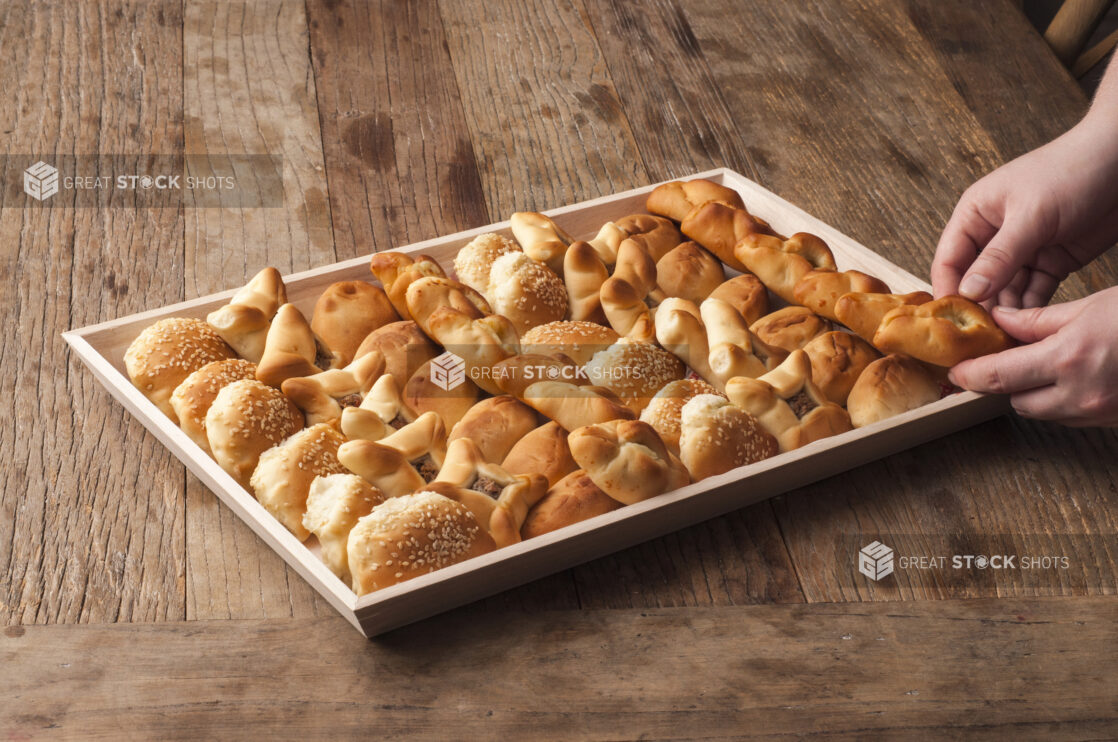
[135, 603]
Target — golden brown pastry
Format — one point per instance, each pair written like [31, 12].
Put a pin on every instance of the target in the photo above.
[653, 235]
[433, 390]
[575, 406]
[334, 505]
[746, 294]
[381, 411]
[780, 264]
[526, 291]
[819, 290]
[346, 313]
[193, 397]
[404, 461]
[404, 346]
[583, 276]
[888, 387]
[397, 271]
[715, 437]
[943, 332]
[790, 328]
[837, 360]
[516, 374]
[576, 340]
[634, 371]
[627, 460]
[495, 425]
[474, 261]
[427, 295]
[605, 244]
[247, 418]
[664, 411]
[675, 199]
[788, 405]
[282, 478]
[244, 321]
[542, 451]
[689, 272]
[405, 537]
[321, 397]
[541, 238]
[718, 227]
[572, 499]
[166, 352]
[291, 349]
[625, 309]
[479, 343]
[862, 312]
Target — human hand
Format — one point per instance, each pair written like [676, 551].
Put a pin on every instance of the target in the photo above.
[1022, 229]
[1069, 370]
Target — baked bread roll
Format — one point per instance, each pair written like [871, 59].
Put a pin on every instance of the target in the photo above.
[525, 291]
[689, 272]
[193, 397]
[346, 313]
[716, 436]
[397, 271]
[409, 536]
[819, 290]
[476, 258]
[625, 309]
[322, 397]
[634, 371]
[680, 330]
[788, 405]
[790, 328]
[664, 411]
[718, 227]
[626, 460]
[247, 418]
[575, 406]
[605, 244]
[576, 340]
[837, 360]
[514, 375]
[404, 461]
[334, 505]
[166, 352]
[495, 425]
[429, 390]
[542, 451]
[653, 235]
[403, 345]
[888, 387]
[291, 349]
[862, 312]
[943, 332]
[381, 411]
[282, 478]
[583, 275]
[746, 294]
[427, 295]
[244, 321]
[675, 199]
[541, 238]
[479, 343]
[780, 264]
[572, 499]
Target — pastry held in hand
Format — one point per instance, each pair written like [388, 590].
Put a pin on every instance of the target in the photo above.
[246, 419]
[541, 238]
[788, 405]
[664, 412]
[627, 460]
[542, 451]
[168, 351]
[474, 261]
[790, 328]
[409, 536]
[575, 406]
[346, 312]
[244, 321]
[334, 505]
[837, 360]
[862, 312]
[943, 332]
[780, 264]
[890, 386]
[397, 271]
[291, 349]
[819, 290]
[526, 291]
[322, 396]
[719, 227]
[192, 398]
[282, 479]
[633, 370]
[676, 198]
[572, 499]
[717, 436]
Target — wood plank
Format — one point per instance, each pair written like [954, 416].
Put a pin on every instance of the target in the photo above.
[91, 511]
[249, 89]
[985, 669]
[398, 154]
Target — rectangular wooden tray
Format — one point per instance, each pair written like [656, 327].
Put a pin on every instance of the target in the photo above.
[102, 346]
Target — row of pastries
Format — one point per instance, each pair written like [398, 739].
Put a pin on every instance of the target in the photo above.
[671, 347]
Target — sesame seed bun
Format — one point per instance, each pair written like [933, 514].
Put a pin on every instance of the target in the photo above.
[246, 419]
[526, 291]
[474, 261]
[664, 410]
[715, 437]
[634, 371]
[192, 398]
[578, 340]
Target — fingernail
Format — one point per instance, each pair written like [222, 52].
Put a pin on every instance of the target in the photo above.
[952, 379]
[1005, 310]
[974, 286]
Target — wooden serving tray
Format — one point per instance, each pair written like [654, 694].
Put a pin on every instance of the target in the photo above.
[102, 347]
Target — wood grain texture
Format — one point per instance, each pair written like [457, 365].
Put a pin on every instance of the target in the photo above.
[398, 154]
[249, 89]
[988, 670]
[91, 511]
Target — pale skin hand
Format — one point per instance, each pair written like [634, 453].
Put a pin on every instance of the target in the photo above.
[1014, 236]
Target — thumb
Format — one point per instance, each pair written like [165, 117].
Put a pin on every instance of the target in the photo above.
[1001, 259]
[1031, 325]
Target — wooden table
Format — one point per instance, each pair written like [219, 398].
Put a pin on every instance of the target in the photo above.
[134, 602]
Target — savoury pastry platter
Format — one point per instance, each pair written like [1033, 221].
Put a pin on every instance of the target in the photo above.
[755, 375]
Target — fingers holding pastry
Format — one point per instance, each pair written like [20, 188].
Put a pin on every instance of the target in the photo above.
[943, 332]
